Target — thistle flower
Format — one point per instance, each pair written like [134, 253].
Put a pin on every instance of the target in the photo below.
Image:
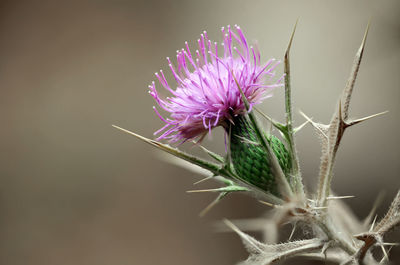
[207, 95]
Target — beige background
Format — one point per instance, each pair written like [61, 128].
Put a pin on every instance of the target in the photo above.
[73, 190]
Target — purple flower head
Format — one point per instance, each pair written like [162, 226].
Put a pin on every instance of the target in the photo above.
[207, 95]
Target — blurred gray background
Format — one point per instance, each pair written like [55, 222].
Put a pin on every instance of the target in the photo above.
[74, 190]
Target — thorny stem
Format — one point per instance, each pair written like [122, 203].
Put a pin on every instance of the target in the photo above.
[295, 168]
[386, 224]
[297, 251]
[337, 236]
[335, 133]
[336, 129]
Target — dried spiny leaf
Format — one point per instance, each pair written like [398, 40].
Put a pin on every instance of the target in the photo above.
[252, 245]
[391, 219]
[261, 254]
[336, 128]
[348, 91]
[276, 252]
[377, 232]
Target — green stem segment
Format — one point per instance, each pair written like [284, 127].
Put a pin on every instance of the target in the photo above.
[250, 161]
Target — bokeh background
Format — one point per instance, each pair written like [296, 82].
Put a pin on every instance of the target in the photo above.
[74, 190]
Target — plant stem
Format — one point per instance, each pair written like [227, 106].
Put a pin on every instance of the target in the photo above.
[295, 169]
[338, 237]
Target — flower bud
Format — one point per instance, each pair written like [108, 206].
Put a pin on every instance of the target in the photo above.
[250, 161]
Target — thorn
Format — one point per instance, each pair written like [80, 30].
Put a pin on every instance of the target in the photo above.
[231, 188]
[291, 39]
[129, 132]
[320, 208]
[390, 244]
[365, 34]
[377, 202]
[314, 124]
[277, 124]
[206, 190]
[292, 233]
[270, 204]
[339, 197]
[212, 154]
[301, 126]
[144, 139]
[384, 257]
[231, 225]
[373, 224]
[354, 122]
[214, 168]
[212, 204]
[202, 180]
[385, 254]
[347, 92]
